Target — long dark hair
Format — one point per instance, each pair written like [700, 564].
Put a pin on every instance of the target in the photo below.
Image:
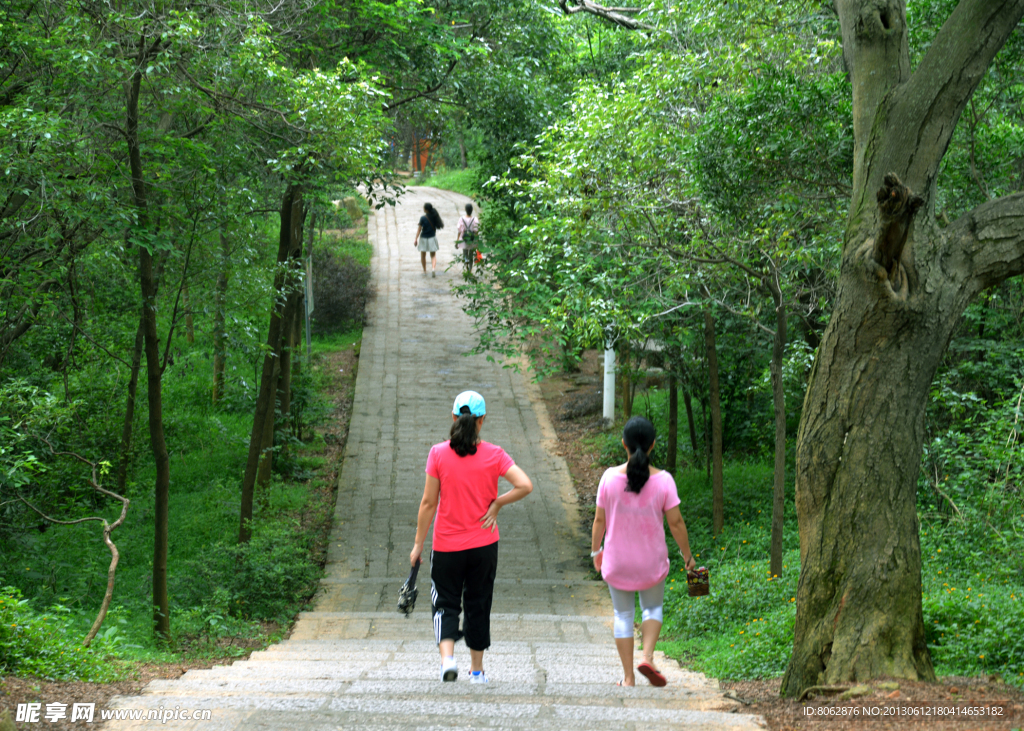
[639, 435]
[463, 433]
[433, 215]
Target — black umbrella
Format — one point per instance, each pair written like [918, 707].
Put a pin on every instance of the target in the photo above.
[407, 594]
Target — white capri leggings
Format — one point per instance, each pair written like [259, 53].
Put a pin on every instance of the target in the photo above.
[651, 600]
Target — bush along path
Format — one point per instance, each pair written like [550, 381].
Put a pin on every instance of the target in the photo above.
[354, 662]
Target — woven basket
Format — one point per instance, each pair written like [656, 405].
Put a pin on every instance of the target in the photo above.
[698, 582]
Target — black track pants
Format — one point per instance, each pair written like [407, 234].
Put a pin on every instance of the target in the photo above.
[463, 580]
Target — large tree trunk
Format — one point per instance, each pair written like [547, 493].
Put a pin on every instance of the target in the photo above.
[717, 489]
[128, 426]
[904, 283]
[154, 371]
[779, 398]
[673, 424]
[220, 318]
[259, 448]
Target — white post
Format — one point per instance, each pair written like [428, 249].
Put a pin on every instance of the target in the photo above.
[609, 382]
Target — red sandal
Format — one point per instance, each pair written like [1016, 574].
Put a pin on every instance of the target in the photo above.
[651, 673]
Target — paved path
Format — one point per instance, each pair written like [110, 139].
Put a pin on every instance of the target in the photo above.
[353, 662]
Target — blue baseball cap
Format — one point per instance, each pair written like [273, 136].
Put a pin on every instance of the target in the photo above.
[473, 400]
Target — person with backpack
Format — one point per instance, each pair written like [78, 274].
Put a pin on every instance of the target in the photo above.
[426, 237]
[461, 499]
[466, 235]
[633, 502]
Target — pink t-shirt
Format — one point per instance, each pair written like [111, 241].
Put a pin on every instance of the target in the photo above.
[468, 487]
[635, 552]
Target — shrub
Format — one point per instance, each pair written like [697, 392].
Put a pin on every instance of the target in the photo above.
[266, 578]
[49, 646]
[340, 291]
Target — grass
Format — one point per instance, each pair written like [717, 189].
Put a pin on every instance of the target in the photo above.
[466, 182]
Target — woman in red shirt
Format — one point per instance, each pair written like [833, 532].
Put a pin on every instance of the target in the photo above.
[461, 498]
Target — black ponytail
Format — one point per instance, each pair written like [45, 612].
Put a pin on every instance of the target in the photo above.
[639, 435]
[463, 433]
[433, 215]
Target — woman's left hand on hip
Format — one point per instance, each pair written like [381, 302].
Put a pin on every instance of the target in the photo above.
[490, 519]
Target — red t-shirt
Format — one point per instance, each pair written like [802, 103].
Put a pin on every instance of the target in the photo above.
[468, 487]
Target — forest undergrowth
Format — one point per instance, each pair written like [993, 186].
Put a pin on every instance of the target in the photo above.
[226, 598]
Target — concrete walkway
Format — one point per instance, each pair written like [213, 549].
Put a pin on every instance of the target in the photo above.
[354, 662]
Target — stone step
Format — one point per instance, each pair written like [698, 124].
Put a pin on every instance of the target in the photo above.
[394, 626]
[538, 596]
[424, 669]
[367, 713]
[593, 694]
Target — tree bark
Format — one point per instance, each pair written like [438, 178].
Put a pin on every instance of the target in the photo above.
[128, 428]
[220, 318]
[190, 330]
[154, 371]
[779, 398]
[291, 219]
[265, 469]
[903, 285]
[673, 424]
[717, 490]
[290, 324]
[688, 402]
[627, 391]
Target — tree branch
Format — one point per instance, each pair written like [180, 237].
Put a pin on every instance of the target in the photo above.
[425, 92]
[107, 529]
[613, 15]
[991, 239]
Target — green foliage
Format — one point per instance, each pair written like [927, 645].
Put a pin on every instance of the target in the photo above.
[340, 291]
[973, 621]
[266, 578]
[782, 133]
[49, 645]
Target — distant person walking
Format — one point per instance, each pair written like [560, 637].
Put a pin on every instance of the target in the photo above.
[633, 501]
[426, 237]
[462, 492]
[465, 237]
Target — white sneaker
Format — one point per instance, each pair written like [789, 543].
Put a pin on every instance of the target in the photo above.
[449, 670]
[433, 275]
[477, 676]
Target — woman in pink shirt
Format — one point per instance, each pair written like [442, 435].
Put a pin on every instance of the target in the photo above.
[461, 499]
[633, 501]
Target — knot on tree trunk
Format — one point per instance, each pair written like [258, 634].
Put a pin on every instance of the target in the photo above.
[897, 205]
